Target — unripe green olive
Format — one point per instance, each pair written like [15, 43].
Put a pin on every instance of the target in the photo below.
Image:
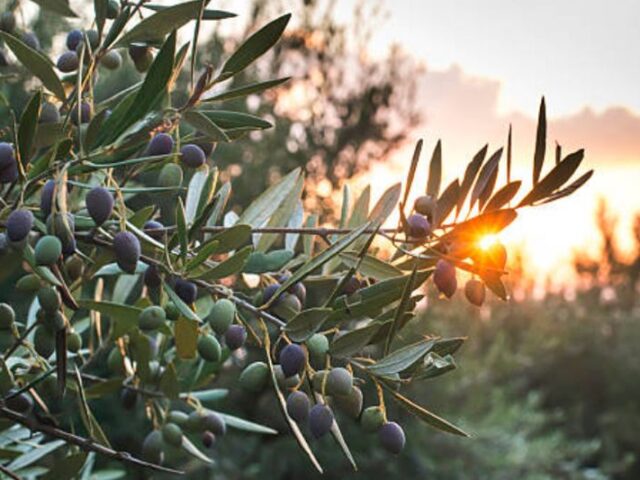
[74, 266]
[209, 348]
[49, 299]
[152, 318]
[115, 362]
[7, 316]
[74, 342]
[172, 434]
[152, 447]
[48, 250]
[372, 419]
[222, 315]
[43, 341]
[318, 346]
[170, 176]
[29, 283]
[178, 417]
[254, 377]
[171, 311]
[350, 404]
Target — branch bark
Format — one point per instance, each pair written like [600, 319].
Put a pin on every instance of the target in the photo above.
[85, 444]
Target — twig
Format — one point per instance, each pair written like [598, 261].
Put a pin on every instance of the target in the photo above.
[9, 473]
[85, 444]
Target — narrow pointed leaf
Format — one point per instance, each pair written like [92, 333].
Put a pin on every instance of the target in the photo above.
[435, 171]
[541, 142]
[36, 63]
[255, 46]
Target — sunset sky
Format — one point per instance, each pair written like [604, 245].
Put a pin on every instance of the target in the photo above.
[487, 64]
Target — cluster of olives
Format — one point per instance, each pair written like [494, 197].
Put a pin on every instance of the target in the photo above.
[209, 425]
[289, 303]
[419, 226]
[8, 25]
[192, 155]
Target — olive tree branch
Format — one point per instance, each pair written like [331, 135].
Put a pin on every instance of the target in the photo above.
[85, 444]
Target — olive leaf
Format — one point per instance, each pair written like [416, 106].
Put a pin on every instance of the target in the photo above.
[435, 171]
[61, 7]
[255, 46]
[35, 62]
[245, 90]
[166, 20]
[541, 142]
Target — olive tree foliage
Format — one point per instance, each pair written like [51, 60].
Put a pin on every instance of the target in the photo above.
[340, 111]
[121, 303]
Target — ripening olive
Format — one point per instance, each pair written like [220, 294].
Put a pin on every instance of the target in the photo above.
[99, 202]
[445, 279]
[298, 406]
[127, 249]
[112, 60]
[235, 337]
[49, 113]
[425, 205]
[19, 224]
[68, 62]
[7, 21]
[74, 38]
[392, 437]
[208, 439]
[31, 39]
[350, 404]
[192, 156]
[339, 381]
[320, 420]
[160, 144]
[152, 278]
[475, 292]
[22, 403]
[154, 229]
[81, 115]
[292, 358]
[418, 226]
[214, 423]
[186, 290]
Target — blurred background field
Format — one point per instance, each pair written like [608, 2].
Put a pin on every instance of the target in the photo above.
[548, 383]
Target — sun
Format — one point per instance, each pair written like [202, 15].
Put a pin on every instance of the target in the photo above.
[487, 241]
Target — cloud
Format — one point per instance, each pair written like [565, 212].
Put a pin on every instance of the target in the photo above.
[463, 110]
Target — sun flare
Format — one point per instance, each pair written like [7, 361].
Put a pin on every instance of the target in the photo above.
[487, 241]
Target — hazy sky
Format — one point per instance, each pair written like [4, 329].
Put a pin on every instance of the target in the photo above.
[576, 52]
